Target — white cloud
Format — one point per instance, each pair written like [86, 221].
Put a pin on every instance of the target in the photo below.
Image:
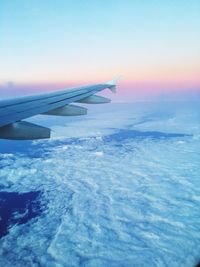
[105, 201]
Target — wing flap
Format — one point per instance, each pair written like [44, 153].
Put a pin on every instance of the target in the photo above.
[69, 110]
[94, 99]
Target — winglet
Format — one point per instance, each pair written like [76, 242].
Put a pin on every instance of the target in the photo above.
[113, 83]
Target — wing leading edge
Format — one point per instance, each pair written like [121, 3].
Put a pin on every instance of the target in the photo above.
[13, 111]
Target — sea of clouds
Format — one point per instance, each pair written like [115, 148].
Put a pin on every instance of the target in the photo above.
[119, 187]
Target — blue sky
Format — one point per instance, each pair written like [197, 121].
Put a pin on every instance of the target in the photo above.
[150, 42]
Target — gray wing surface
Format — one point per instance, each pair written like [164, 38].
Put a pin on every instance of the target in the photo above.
[13, 111]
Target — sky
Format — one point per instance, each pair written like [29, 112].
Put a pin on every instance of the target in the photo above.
[153, 45]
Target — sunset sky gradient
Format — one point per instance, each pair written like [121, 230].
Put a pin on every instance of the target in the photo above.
[154, 45]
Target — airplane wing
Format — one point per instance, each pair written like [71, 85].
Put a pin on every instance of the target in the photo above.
[14, 111]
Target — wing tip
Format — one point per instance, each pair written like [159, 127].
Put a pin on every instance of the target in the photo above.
[113, 83]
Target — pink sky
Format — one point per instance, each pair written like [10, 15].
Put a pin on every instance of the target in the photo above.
[126, 91]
